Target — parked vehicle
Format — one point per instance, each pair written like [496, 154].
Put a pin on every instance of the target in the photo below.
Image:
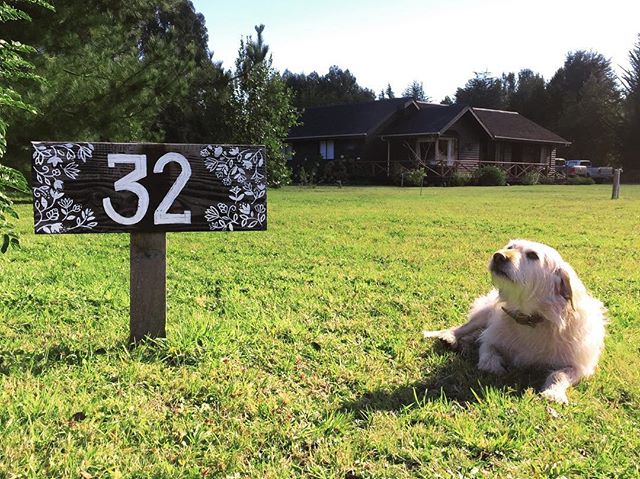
[600, 174]
[577, 167]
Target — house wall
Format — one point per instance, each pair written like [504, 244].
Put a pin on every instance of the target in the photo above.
[523, 152]
[310, 149]
[472, 140]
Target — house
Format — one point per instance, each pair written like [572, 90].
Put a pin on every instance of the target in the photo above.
[384, 137]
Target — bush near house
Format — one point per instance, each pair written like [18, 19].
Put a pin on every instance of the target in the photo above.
[580, 180]
[489, 176]
[460, 179]
[531, 178]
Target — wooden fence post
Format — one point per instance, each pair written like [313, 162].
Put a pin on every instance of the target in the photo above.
[615, 193]
[148, 296]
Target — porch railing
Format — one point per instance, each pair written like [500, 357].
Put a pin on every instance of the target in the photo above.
[515, 171]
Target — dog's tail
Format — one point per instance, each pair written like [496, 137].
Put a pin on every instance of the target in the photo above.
[446, 335]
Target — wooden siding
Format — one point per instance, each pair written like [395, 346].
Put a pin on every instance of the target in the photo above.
[470, 137]
[469, 150]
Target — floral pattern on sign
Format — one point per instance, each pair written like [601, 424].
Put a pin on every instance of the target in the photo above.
[240, 170]
[52, 166]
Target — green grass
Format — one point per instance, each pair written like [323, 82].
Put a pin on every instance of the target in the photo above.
[296, 352]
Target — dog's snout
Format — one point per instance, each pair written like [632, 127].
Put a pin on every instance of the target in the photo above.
[500, 258]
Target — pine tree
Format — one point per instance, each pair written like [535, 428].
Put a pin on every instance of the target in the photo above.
[415, 90]
[630, 139]
[261, 109]
[483, 91]
[163, 75]
[389, 91]
[15, 67]
[584, 106]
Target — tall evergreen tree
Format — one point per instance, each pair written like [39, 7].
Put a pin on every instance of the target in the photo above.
[260, 109]
[415, 90]
[335, 87]
[389, 91]
[482, 90]
[15, 67]
[117, 71]
[630, 131]
[529, 96]
[584, 106]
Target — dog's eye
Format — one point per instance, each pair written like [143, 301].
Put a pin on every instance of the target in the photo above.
[511, 246]
[532, 255]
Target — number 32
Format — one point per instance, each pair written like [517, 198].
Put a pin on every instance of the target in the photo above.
[130, 183]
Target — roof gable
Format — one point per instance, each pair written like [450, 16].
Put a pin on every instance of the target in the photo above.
[356, 119]
[510, 125]
[430, 119]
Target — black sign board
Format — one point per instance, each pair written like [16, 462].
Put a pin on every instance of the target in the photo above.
[147, 187]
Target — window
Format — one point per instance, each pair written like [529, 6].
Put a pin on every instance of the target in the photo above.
[326, 150]
[447, 150]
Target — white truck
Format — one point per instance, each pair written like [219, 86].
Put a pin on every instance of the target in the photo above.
[600, 174]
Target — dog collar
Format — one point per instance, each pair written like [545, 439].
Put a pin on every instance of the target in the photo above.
[526, 319]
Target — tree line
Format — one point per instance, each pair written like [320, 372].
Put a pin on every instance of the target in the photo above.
[141, 70]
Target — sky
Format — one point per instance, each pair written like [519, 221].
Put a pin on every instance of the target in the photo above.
[440, 43]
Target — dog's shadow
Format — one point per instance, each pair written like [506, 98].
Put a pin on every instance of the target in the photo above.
[455, 379]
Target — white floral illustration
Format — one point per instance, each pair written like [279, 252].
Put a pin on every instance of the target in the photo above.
[241, 171]
[52, 165]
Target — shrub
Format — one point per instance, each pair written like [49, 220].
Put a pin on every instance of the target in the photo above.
[459, 179]
[306, 178]
[546, 180]
[489, 176]
[340, 170]
[414, 177]
[531, 178]
[307, 170]
[580, 180]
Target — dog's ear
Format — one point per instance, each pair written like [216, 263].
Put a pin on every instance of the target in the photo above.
[563, 285]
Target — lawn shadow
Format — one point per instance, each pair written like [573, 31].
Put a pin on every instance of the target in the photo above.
[69, 354]
[457, 379]
[159, 350]
[39, 362]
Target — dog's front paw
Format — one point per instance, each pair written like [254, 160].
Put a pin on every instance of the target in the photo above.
[492, 364]
[551, 394]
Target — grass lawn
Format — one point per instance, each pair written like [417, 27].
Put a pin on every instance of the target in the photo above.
[297, 352]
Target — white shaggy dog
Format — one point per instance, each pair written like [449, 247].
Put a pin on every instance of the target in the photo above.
[540, 315]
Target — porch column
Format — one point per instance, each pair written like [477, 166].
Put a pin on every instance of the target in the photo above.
[436, 153]
[388, 158]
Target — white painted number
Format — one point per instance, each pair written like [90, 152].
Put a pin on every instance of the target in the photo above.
[130, 183]
[161, 217]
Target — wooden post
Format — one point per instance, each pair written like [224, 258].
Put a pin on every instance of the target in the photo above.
[615, 193]
[148, 308]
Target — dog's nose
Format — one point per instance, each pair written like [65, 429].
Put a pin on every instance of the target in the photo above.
[500, 258]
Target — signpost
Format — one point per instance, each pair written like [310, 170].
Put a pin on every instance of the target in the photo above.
[147, 189]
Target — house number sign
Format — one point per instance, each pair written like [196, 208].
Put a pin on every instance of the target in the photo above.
[146, 190]
[142, 187]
